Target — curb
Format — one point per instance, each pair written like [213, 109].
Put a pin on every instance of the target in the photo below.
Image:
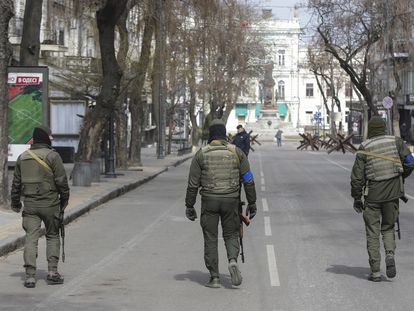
[17, 241]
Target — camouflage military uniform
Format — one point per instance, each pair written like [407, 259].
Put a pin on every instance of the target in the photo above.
[44, 187]
[218, 169]
[377, 176]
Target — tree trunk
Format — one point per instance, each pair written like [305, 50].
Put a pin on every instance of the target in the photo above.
[121, 119]
[137, 113]
[121, 135]
[195, 137]
[30, 44]
[107, 18]
[136, 106]
[7, 10]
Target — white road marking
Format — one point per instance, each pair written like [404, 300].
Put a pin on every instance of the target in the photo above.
[262, 181]
[271, 260]
[265, 205]
[263, 188]
[71, 287]
[409, 196]
[267, 227]
[261, 174]
[337, 164]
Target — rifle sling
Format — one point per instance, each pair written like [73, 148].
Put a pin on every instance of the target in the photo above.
[40, 161]
[377, 155]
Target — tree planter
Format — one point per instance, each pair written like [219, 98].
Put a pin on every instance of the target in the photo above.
[96, 170]
[82, 174]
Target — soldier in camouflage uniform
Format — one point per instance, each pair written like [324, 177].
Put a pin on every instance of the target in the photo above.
[40, 177]
[219, 168]
[381, 164]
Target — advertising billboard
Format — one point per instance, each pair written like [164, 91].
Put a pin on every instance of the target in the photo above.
[28, 106]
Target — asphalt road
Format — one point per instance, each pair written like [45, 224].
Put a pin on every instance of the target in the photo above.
[305, 250]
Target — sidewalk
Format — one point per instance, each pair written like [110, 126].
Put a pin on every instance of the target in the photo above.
[83, 199]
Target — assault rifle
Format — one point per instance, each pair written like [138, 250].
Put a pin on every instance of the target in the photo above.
[405, 200]
[62, 230]
[244, 219]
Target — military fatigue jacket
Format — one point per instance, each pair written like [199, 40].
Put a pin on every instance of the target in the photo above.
[50, 187]
[378, 191]
[198, 169]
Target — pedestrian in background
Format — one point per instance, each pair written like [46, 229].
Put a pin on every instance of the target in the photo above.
[40, 177]
[278, 137]
[219, 168]
[381, 165]
[242, 139]
[404, 132]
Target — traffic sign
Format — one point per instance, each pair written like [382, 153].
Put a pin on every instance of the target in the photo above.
[387, 102]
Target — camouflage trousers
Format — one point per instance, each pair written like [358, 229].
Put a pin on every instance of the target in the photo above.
[32, 219]
[212, 210]
[379, 220]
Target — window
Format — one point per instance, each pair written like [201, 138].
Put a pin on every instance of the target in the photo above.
[61, 37]
[309, 89]
[348, 90]
[281, 57]
[281, 90]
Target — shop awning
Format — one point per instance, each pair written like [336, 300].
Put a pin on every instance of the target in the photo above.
[282, 108]
[241, 110]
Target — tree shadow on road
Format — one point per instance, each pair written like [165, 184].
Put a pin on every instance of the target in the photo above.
[359, 272]
[202, 278]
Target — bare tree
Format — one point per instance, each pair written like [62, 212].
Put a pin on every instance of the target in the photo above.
[136, 105]
[7, 12]
[107, 17]
[30, 45]
[349, 30]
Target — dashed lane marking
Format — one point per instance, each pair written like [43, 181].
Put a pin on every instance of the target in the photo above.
[268, 228]
[271, 260]
[262, 181]
[265, 205]
[263, 188]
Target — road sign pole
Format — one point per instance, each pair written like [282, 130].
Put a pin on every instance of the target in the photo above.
[389, 122]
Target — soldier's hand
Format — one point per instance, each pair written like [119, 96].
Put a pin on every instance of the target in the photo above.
[251, 210]
[16, 207]
[191, 213]
[63, 204]
[358, 206]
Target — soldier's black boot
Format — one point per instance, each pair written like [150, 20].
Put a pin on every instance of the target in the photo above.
[54, 278]
[213, 283]
[390, 265]
[30, 282]
[375, 277]
[236, 278]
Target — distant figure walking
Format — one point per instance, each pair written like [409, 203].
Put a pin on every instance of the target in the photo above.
[278, 137]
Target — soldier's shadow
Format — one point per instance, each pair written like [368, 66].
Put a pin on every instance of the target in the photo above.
[358, 272]
[40, 274]
[202, 278]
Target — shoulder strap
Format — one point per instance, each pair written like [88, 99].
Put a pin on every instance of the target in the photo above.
[232, 149]
[40, 161]
[377, 155]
